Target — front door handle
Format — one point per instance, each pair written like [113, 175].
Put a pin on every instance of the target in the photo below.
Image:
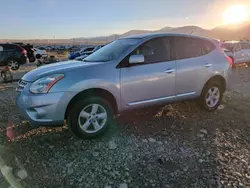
[208, 65]
[169, 71]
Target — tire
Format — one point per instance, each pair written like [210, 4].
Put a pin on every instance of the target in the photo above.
[88, 119]
[38, 56]
[32, 59]
[214, 100]
[14, 64]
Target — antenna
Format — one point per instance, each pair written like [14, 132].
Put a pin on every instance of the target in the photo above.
[192, 31]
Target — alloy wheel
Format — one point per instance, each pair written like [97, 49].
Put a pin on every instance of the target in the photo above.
[213, 97]
[14, 65]
[92, 118]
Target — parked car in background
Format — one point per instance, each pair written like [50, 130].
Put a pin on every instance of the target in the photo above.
[81, 58]
[74, 49]
[238, 51]
[62, 48]
[43, 53]
[13, 55]
[48, 48]
[86, 54]
[83, 53]
[41, 48]
[73, 55]
[128, 73]
[29, 49]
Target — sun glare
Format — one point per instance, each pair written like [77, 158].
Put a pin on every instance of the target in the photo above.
[235, 14]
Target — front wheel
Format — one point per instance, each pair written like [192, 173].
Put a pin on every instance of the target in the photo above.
[14, 65]
[211, 96]
[90, 118]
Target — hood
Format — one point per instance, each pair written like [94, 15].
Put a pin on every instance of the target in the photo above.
[55, 68]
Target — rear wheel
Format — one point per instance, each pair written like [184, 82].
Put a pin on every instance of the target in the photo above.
[211, 96]
[32, 59]
[14, 65]
[90, 118]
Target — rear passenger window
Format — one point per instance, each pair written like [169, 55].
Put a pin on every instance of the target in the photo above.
[238, 47]
[245, 46]
[1, 48]
[187, 47]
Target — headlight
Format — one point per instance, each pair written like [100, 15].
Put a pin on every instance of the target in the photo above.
[44, 84]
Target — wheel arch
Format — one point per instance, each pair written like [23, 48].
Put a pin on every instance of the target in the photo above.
[217, 78]
[93, 92]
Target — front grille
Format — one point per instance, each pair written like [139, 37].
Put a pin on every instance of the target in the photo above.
[21, 85]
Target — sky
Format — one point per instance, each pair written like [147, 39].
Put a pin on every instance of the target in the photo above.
[63, 19]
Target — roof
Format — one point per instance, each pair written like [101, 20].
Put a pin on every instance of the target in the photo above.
[153, 35]
[231, 41]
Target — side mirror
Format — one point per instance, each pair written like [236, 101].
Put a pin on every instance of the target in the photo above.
[133, 59]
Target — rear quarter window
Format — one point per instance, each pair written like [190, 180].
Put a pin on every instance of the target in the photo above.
[207, 47]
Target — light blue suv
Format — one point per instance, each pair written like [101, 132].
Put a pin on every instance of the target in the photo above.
[128, 73]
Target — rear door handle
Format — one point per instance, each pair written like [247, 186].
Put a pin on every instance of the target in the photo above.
[208, 65]
[169, 71]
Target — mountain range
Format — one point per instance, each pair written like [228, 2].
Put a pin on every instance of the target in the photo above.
[226, 32]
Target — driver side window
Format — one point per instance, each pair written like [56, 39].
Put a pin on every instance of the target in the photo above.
[154, 51]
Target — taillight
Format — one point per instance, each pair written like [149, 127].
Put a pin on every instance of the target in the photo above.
[230, 61]
[24, 52]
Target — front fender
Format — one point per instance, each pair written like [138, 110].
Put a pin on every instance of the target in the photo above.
[97, 84]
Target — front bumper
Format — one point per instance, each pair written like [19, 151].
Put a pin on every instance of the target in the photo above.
[43, 109]
[44, 55]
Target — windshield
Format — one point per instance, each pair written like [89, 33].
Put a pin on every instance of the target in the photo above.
[112, 50]
[228, 46]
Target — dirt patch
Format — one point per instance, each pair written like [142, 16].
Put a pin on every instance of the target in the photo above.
[170, 146]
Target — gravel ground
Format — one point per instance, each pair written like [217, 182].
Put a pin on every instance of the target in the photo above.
[171, 146]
